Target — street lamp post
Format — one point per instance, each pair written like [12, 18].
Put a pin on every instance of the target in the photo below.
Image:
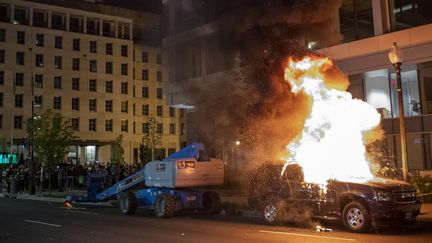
[395, 56]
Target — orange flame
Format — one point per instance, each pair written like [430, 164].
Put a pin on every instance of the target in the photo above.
[331, 144]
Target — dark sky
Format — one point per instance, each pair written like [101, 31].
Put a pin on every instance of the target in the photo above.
[147, 5]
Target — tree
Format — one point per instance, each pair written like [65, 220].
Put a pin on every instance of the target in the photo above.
[150, 140]
[52, 136]
[117, 150]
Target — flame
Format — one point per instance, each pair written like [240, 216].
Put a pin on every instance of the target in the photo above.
[331, 145]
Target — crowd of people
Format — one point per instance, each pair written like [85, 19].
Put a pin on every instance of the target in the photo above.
[22, 178]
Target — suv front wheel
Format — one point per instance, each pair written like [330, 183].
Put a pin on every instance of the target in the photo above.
[356, 218]
[273, 211]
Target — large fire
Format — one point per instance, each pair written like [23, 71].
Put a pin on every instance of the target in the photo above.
[331, 145]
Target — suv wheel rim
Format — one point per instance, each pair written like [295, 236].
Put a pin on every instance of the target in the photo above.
[270, 213]
[355, 218]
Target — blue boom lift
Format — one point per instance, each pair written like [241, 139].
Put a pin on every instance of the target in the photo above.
[165, 186]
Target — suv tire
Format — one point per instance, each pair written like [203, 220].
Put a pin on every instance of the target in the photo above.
[356, 218]
[273, 211]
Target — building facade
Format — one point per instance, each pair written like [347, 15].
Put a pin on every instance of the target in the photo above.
[87, 66]
[367, 30]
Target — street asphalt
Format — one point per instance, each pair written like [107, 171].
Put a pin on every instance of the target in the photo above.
[47, 221]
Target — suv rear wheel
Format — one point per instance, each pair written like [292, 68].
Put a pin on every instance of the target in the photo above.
[356, 218]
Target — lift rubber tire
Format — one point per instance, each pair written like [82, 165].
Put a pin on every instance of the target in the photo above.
[165, 206]
[272, 211]
[128, 203]
[356, 218]
[211, 203]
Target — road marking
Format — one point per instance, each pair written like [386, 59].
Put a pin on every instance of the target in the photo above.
[305, 235]
[91, 213]
[40, 222]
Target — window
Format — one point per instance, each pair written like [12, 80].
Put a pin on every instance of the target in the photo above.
[109, 125]
[57, 82]
[145, 57]
[39, 62]
[93, 46]
[21, 16]
[38, 81]
[108, 105]
[92, 124]
[20, 58]
[145, 92]
[2, 35]
[406, 14]
[18, 120]
[40, 18]
[57, 102]
[18, 100]
[58, 62]
[75, 83]
[124, 50]
[124, 69]
[58, 42]
[1, 77]
[124, 106]
[159, 110]
[92, 105]
[75, 104]
[109, 48]
[171, 112]
[172, 129]
[124, 88]
[158, 58]
[92, 85]
[75, 64]
[19, 79]
[20, 37]
[58, 21]
[145, 110]
[2, 56]
[76, 44]
[145, 74]
[159, 128]
[93, 66]
[124, 125]
[159, 93]
[39, 40]
[75, 123]
[109, 86]
[1, 99]
[356, 20]
[145, 128]
[38, 100]
[159, 76]
[109, 67]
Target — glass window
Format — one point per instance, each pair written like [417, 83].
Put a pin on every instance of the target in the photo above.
[172, 129]
[145, 92]
[75, 84]
[109, 67]
[1, 77]
[159, 76]
[109, 48]
[145, 110]
[20, 58]
[109, 125]
[76, 44]
[75, 64]
[409, 13]
[145, 57]
[93, 66]
[172, 112]
[159, 110]
[124, 69]
[158, 58]
[2, 35]
[58, 62]
[39, 62]
[124, 88]
[58, 42]
[92, 85]
[124, 106]
[109, 86]
[19, 100]
[108, 105]
[39, 40]
[38, 82]
[356, 19]
[124, 50]
[75, 104]
[159, 128]
[58, 21]
[145, 128]
[18, 121]
[75, 123]
[38, 101]
[145, 74]
[20, 37]
[93, 46]
[2, 56]
[159, 93]
[92, 105]
[124, 125]
[410, 93]
[40, 18]
[19, 79]
[57, 82]
[92, 124]
[57, 102]
[76, 24]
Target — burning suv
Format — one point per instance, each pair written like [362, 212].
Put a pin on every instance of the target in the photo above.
[358, 205]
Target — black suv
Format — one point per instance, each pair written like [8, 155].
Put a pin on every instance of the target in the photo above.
[357, 205]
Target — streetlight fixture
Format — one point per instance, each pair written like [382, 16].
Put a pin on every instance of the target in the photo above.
[396, 58]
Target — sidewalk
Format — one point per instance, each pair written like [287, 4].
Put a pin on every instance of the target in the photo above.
[228, 198]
